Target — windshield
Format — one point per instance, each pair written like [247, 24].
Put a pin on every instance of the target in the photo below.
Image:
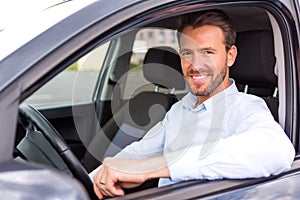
[21, 21]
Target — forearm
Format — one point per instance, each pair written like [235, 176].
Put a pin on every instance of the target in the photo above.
[156, 168]
[150, 168]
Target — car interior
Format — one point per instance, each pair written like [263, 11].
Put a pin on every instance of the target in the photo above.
[75, 137]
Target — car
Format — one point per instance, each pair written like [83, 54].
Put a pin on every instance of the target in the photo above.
[82, 85]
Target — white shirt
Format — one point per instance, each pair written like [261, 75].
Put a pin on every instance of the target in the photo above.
[230, 135]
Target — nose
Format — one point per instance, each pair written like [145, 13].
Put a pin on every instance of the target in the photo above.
[197, 61]
[201, 61]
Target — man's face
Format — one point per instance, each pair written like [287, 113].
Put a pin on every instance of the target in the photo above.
[204, 59]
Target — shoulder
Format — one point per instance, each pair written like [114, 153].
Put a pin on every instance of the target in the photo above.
[243, 99]
[249, 112]
[247, 104]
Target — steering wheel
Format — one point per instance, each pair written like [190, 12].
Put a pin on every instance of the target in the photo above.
[33, 120]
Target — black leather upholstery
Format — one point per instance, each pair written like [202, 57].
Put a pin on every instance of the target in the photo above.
[162, 67]
[255, 62]
[255, 65]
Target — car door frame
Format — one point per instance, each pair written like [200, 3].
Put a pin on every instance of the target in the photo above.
[27, 76]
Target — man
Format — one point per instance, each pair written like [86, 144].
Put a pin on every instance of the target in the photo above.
[214, 132]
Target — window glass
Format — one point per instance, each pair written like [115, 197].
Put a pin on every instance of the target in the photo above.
[74, 84]
[145, 39]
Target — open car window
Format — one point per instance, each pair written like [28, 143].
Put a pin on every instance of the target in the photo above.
[111, 75]
[145, 39]
[76, 84]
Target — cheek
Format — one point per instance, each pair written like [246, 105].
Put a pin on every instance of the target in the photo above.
[184, 65]
[221, 63]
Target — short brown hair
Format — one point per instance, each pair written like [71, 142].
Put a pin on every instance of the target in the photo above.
[210, 17]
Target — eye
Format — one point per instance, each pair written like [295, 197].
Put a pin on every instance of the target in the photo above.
[208, 52]
[185, 53]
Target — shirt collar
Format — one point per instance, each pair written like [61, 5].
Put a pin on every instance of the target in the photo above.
[190, 99]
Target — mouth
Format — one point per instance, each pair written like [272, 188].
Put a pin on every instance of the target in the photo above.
[199, 77]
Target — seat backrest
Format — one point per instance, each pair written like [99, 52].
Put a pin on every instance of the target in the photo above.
[161, 67]
[254, 68]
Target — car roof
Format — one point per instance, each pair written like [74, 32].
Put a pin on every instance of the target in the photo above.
[48, 40]
[15, 31]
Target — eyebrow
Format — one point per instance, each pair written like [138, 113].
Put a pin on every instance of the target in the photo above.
[184, 49]
[198, 49]
[207, 48]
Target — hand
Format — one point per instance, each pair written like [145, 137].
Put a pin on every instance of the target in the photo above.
[116, 173]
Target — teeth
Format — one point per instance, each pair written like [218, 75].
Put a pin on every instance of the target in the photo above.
[199, 77]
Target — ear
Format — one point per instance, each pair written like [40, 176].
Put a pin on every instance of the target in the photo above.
[231, 55]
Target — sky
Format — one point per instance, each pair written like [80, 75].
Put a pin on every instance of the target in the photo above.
[21, 20]
[12, 10]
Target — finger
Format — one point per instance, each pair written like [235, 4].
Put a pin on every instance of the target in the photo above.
[98, 175]
[113, 187]
[105, 191]
[98, 192]
[102, 178]
[97, 183]
[129, 184]
[98, 187]
[101, 184]
[99, 179]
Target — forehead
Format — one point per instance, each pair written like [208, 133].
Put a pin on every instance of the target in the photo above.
[203, 35]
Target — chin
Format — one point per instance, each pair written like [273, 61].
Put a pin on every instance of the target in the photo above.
[200, 93]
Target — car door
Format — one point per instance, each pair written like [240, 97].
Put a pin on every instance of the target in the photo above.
[85, 115]
[73, 119]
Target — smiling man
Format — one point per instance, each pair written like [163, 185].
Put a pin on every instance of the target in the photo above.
[205, 61]
[214, 132]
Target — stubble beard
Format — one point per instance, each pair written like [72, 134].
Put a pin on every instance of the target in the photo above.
[210, 86]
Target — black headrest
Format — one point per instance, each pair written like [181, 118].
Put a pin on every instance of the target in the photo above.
[255, 61]
[162, 67]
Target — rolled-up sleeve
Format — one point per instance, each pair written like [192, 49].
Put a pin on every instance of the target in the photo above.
[248, 155]
[258, 149]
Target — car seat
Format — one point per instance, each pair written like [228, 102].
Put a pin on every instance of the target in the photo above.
[254, 68]
[161, 67]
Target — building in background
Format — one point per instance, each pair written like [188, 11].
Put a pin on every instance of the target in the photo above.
[152, 37]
